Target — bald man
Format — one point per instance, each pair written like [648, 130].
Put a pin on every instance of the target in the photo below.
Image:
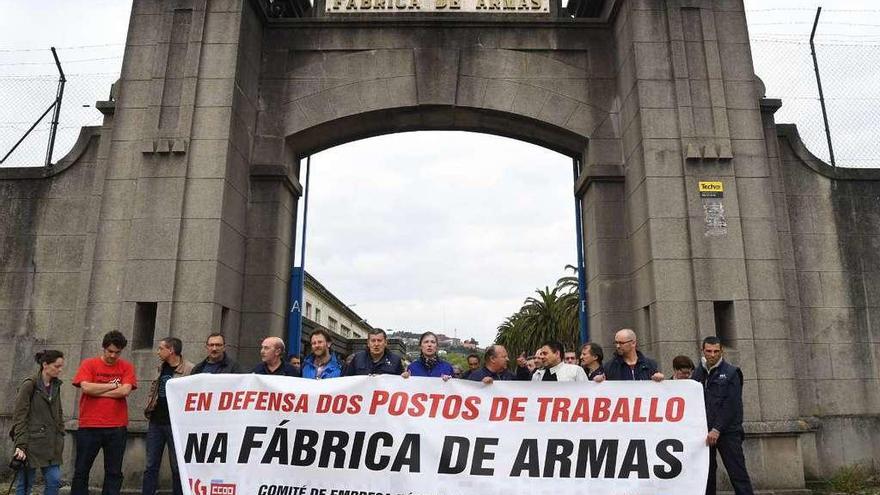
[272, 354]
[629, 363]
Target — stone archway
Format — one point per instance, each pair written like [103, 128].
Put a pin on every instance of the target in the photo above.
[174, 217]
[316, 97]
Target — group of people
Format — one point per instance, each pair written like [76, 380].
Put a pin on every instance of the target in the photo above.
[106, 381]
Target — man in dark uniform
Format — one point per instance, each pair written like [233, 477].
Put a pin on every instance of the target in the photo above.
[375, 360]
[722, 388]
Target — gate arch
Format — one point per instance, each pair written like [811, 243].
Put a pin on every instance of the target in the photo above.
[435, 118]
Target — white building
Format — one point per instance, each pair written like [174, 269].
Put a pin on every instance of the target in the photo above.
[323, 309]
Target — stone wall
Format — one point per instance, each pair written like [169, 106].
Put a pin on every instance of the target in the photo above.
[47, 233]
[830, 220]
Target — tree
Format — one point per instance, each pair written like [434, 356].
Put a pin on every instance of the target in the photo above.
[550, 315]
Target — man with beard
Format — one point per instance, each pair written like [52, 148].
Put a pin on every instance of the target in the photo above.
[321, 363]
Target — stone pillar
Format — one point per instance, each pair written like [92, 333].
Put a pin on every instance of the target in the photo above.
[170, 242]
[707, 266]
[271, 238]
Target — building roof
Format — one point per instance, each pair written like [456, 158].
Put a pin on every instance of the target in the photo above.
[319, 288]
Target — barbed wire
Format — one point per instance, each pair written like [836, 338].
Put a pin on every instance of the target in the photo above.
[79, 61]
[43, 50]
[850, 70]
[809, 9]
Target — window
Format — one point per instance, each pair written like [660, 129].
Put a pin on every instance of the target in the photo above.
[346, 331]
[224, 320]
[317, 315]
[331, 323]
[725, 323]
[308, 310]
[144, 324]
[645, 331]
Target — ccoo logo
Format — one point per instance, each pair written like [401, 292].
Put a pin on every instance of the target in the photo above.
[218, 487]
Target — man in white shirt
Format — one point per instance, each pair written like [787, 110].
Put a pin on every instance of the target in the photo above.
[554, 369]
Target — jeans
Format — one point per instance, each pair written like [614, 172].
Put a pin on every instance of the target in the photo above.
[729, 445]
[27, 476]
[158, 436]
[89, 441]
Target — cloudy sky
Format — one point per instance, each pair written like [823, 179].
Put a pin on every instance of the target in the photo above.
[440, 231]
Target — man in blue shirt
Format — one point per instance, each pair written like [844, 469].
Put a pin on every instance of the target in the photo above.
[321, 363]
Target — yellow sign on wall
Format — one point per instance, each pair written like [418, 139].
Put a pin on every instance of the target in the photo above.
[711, 189]
[711, 186]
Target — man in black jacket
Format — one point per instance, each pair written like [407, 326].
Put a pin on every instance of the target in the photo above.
[495, 362]
[217, 360]
[628, 362]
[272, 353]
[375, 360]
[722, 389]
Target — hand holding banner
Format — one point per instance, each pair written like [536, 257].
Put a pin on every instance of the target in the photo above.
[268, 435]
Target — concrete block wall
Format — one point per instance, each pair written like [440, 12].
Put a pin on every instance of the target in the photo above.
[47, 246]
[831, 220]
[44, 247]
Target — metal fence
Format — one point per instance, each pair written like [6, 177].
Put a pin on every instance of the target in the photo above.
[850, 74]
[24, 98]
[29, 83]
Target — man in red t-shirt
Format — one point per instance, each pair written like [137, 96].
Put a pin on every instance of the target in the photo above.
[105, 382]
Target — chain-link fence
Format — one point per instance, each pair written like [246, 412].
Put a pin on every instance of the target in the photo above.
[850, 80]
[24, 98]
[850, 74]
[28, 86]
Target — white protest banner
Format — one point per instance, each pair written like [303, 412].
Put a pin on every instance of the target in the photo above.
[269, 435]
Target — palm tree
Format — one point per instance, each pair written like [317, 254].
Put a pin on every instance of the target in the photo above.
[551, 314]
[569, 305]
[510, 334]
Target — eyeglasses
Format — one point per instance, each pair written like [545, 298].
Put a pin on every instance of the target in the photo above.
[622, 343]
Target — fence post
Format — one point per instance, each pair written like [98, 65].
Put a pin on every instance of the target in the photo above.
[819, 84]
[59, 96]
